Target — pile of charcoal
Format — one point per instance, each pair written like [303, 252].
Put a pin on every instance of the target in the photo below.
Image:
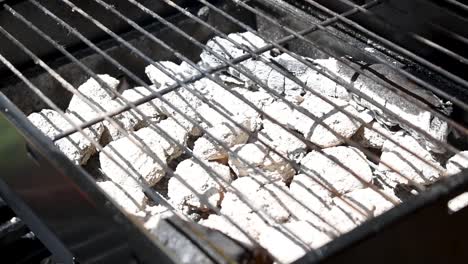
[270, 151]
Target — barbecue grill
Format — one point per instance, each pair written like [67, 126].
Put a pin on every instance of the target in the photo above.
[234, 131]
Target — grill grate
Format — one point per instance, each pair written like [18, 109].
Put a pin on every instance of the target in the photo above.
[404, 87]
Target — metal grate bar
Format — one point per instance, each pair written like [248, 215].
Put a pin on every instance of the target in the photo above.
[398, 48]
[334, 78]
[458, 4]
[357, 145]
[263, 86]
[334, 191]
[386, 83]
[288, 75]
[155, 196]
[200, 76]
[448, 52]
[308, 114]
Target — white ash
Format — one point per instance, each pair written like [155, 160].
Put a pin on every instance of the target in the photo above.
[370, 138]
[102, 100]
[229, 104]
[174, 129]
[207, 148]
[457, 163]
[256, 206]
[423, 171]
[149, 109]
[279, 111]
[282, 141]
[231, 81]
[261, 158]
[260, 98]
[367, 200]
[241, 211]
[292, 240]
[76, 147]
[181, 72]
[229, 50]
[183, 99]
[278, 137]
[342, 221]
[187, 103]
[324, 85]
[135, 164]
[202, 181]
[296, 68]
[312, 212]
[133, 201]
[159, 210]
[331, 174]
[212, 117]
[330, 116]
[308, 200]
[405, 109]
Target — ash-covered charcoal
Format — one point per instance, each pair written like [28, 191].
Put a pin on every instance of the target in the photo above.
[282, 141]
[367, 200]
[328, 172]
[231, 106]
[406, 163]
[135, 163]
[283, 195]
[228, 50]
[404, 108]
[291, 241]
[268, 198]
[275, 166]
[133, 201]
[254, 206]
[101, 98]
[339, 122]
[162, 80]
[76, 147]
[222, 224]
[150, 110]
[239, 209]
[208, 149]
[185, 102]
[195, 243]
[279, 138]
[371, 138]
[128, 163]
[324, 85]
[190, 175]
[342, 221]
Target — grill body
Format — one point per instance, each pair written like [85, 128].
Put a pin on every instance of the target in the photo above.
[63, 206]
